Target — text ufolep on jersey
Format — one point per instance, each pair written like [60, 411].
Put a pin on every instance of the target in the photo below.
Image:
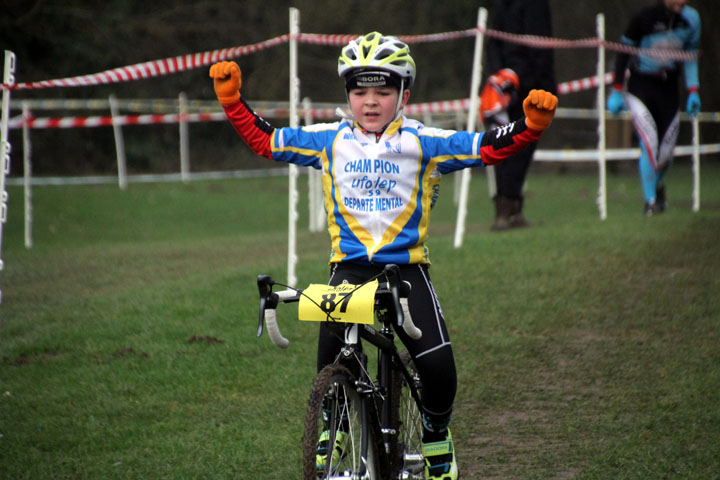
[372, 190]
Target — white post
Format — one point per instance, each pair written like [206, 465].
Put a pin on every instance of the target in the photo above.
[491, 178]
[472, 118]
[696, 163]
[184, 139]
[315, 195]
[602, 153]
[9, 80]
[293, 169]
[27, 174]
[119, 143]
[492, 181]
[307, 105]
[457, 176]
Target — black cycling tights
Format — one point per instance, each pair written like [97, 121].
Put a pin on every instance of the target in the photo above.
[432, 353]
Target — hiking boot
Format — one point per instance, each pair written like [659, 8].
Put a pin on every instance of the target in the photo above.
[440, 461]
[503, 212]
[322, 450]
[517, 220]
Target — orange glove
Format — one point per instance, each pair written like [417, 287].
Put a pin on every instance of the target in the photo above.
[227, 81]
[539, 107]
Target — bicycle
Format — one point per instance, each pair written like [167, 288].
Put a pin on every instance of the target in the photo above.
[366, 428]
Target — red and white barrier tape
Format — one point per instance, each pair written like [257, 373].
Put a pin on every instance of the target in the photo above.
[445, 106]
[154, 68]
[168, 105]
[587, 83]
[108, 120]
[186, 62]
[438, 107]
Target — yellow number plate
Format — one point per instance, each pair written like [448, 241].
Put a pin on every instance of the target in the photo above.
[343, 303]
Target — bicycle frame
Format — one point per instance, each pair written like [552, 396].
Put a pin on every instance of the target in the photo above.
[391, 311]
[384, 341]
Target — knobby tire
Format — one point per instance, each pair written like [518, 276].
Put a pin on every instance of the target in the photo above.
[335, 400]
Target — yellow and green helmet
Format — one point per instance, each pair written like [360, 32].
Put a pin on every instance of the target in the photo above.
[376, 60]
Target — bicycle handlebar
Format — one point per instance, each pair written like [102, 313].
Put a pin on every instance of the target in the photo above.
[398, 289]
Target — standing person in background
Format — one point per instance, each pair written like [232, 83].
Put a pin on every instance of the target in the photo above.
[653, 89]
[516, 69]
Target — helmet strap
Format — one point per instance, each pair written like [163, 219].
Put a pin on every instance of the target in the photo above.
[399, 106]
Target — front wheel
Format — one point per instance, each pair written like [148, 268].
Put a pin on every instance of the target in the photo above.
[407, 458]
[337, 442]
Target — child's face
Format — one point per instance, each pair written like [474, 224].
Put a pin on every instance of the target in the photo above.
[374, 107]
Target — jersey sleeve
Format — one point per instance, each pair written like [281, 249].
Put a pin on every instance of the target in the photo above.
[252, 128]
[304, 146]
[457, 150]
[690, 68]
[502, 142]
[636, 29]
[632, 36]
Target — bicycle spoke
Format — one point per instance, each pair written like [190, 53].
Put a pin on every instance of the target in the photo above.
[408, 460]
[334, 420]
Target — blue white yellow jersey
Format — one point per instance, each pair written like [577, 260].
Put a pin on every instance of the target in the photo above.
[379, 190]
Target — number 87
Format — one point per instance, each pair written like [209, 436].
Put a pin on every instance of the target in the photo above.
[328, 303]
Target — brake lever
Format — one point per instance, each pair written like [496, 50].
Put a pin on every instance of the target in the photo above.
[267, 299]
[392, 273]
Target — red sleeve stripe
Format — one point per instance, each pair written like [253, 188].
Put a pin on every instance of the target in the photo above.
[502, 142]
[253, 129]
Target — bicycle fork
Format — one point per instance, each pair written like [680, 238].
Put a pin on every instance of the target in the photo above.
[386, 426]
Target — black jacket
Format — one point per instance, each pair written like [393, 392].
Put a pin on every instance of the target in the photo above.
[534, 66]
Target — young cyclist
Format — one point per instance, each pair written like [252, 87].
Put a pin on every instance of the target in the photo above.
[381, 174]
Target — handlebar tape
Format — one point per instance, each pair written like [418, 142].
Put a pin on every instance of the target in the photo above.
[413, 332]
[273, 330]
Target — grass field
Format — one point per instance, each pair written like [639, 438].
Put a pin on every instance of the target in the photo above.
[585, 348]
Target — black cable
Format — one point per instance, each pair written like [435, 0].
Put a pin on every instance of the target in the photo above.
[330, 318]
